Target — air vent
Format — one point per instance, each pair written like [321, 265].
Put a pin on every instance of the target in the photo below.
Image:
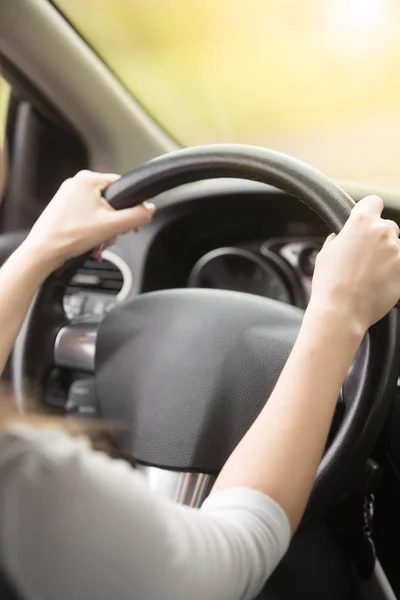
[97, 287]
[94, 276]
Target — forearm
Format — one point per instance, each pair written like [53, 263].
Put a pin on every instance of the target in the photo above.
[279, 455]
[20, 278]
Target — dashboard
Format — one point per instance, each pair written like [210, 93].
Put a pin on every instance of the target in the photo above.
[279, 268]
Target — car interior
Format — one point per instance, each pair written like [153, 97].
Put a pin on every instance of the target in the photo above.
[101, 337]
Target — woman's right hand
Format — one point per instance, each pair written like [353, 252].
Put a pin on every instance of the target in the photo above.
[358, 271]
[79, 219]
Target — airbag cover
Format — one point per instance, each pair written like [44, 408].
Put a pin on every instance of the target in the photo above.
[189, 371]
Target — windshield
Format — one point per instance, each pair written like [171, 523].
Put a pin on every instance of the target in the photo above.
[319, 79]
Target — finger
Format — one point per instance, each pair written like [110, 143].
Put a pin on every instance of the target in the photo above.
[326, 243]
[97, 254]
[92, 178]
[393, 226]
[108, 179]
[132, 218]
[105, 183]
[328, 240]
[111, 241]
[371, 205]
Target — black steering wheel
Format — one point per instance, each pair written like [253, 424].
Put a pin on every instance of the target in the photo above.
[190, 369]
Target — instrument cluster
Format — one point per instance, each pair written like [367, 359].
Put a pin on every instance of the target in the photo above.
[280, 269]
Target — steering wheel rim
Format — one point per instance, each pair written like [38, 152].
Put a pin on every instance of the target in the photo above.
[372, 378]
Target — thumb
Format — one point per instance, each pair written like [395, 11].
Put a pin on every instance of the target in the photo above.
[328, 240]
[132, 218]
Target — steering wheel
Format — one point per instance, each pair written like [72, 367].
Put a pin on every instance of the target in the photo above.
[190, 369]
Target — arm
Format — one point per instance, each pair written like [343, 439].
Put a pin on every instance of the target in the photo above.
[20, 278]
[290, 433]
[57, 236]
[357, 280]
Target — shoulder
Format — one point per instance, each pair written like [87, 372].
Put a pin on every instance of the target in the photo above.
[26, 450]
[50, 442]
[54, 457]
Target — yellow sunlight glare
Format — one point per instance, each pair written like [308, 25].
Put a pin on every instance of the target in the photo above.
[360, 27]
[364, 15]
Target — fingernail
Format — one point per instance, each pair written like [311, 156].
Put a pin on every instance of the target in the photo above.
[149, 206]
[98, 253]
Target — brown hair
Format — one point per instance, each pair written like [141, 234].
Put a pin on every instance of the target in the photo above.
[35, 414]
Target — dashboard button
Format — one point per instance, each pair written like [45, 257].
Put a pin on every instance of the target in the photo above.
[97, 304]
[75, 305]
[82, 398]
[98, 308]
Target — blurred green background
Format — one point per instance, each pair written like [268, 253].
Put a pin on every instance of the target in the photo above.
[316, 78]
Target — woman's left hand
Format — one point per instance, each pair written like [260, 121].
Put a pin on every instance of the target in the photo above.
[79, 219]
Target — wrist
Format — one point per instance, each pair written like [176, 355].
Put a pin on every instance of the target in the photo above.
[38, 256]
[335, 317]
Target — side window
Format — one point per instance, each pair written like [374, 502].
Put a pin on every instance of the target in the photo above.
[38, 150]
[4, 100]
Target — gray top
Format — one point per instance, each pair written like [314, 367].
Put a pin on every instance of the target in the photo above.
[76, 524]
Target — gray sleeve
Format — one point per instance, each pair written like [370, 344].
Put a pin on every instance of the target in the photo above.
[77, 524]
